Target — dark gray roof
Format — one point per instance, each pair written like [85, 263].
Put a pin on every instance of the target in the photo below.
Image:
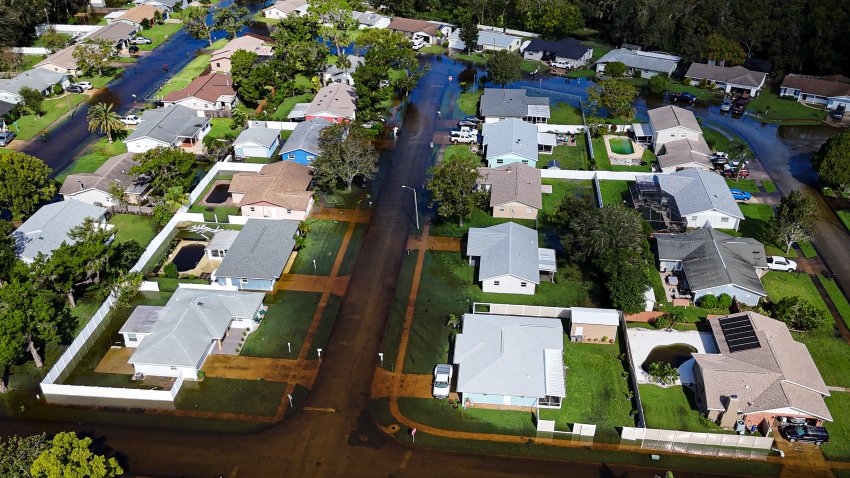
[305, 136]
[6, 107]
[260, 251]
[564, 48]
[711, 258]
[37, 79]
[259, 135]
[696, 190]
[511, 136]
[48, 228]
[505, 249]
[168, 124]
[509, 103]
[642, 60]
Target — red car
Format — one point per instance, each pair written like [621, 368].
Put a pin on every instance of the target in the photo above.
[730, 173]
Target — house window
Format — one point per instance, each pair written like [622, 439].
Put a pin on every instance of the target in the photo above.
[673, 134]
[500, 161]
[501, 209]
[495, 282]
[243, 281]
[173, 368]
[132, 338]
[290, 156]
[528, 210]
[693, 218]
[217, 65]
[214, 253]
[724, 219]
[252, 209]
[524, 161]
[523, 284]
[289, 211]
[310, 158]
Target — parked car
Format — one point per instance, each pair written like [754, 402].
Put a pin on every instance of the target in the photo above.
[86, 85]
[74, 89]
[466, 124]
[133, 49]
[739, 195]
[560, 64]
[6, 137]
[140, 40]
[473, 119]
[417, 44]
[442, 381]
[730, 172]
[131, 120]
[463, 137]
[684, 97]
[779, 263]
[838, 113]
[738, 108]
[726, 105]
[806, 434]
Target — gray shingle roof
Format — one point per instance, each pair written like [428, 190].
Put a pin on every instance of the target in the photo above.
[513, 182]
[260, 251]
[505, 249]
[305, 136]
[685, 151]
[142, 320]
[564, 48]
[336, 99]
[115, 31]
[642, 60]
[369, 19]
[511, 136]
[487, 38]
[671, 116]
[190, 321]
[697, 191]
[737, 75]
[510, 355]
[115, 170]
[168, 124]
[48, 228]
[511, 103]
[222, 240]
[37, 79]
[711, 258]
[259, 135]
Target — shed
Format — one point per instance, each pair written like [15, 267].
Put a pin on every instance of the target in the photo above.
[593, 325]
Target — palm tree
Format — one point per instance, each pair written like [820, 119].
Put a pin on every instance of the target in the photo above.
[174, 197]
[454, 321]
[102, 118]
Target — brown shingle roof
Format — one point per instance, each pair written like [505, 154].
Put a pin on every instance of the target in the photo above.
[115, 169]
[737, 75]
[208, 88]
[63, 58]
[283, 184]
[513, 182]
[671, 116]
[827, 86]
[137, 14]
[409, 25]
[336, 99]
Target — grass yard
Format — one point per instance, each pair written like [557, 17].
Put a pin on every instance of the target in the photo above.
[596, 391]
[563, 113]
[326, 324]
[837, 297]
[323, 242]
[701, 94]
[450, 227]
[131, 227]
[461, 150]
[599, 49]
[614, 192]
[807, 249]
[189, 72]
[159, 33]
[715, 139]
[286, 106]
[95, 156]
[220, 127]
[344, 199]
[600, 155]
[353, 249]
[170, 285]
[398, 310]
[757, 226]
[581, 73]
[29, 126]
[440, 414]
[468, 102]
[287, 321]
[770, 108]
[433, 49]
[768, 185]
[214, 394]
[99, 81]
[569, 157]
[838, 447]
[844, 216]
[562, 187]
[746, 185]
[673, 408]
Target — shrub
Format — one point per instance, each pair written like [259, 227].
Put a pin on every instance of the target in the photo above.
[724, 301]
[708, 301]
[659, 83]
[170, 270]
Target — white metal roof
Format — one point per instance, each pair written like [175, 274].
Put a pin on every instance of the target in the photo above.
[584, 315]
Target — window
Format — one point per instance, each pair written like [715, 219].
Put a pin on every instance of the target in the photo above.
[693, 218]
[252, 209]
[173, 368]
[217, 64]
[215, 253]
[243, 280]
[290, 156]
[310, 158]
[524, 161]
[289, 211]
[501, 209]
[500, 161]
[529, 210]
[495, 282]
[523, 284]
[724, 219]
[132, 338]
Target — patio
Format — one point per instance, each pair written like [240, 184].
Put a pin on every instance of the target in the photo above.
[642, 342]
[676, 289]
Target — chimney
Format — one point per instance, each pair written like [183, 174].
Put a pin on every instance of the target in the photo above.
[730, 416]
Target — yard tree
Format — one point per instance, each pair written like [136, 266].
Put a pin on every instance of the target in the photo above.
[259, 82]
[70, 456]
[172, 200]
[118, 194]
[347, 153]
[468, 32]
[719, 48]
[337, 22]
[10, 61]
[795, 219]
[671, 318]
[126, 287]
[832, 161]
[659, 83]
[8, 259]
[32, 101]
[241, 64]
[369, 83]
[18, 453]
[195, 21]
[627, 282]
[663, 372]
[94, 56]
[615, 69]
[550, 18]
[102, 118]
[25, 183]
[452, 187]
[53, 40]
[231, 20]
[295, 47]
[166, 167]
[504, 67]
[386, 50]
[799, 314]
[613, 95]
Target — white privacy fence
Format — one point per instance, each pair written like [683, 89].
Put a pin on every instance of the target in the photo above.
[560, 128]
[601, 175]
[278, 125]
[525, 310]
[714, 444]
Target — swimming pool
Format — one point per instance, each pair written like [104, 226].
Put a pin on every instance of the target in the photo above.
[674, 354]
[218, 194]
[621, 145]
[188, 257]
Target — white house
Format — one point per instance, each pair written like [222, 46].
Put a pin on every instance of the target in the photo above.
[510, 141]
[39, 79]
[730, 79]
[285, 8]
[211, 92]
[646, 63]
[174, 126]
[256, 142]
[371, 20]
[498, 104]
[677, 139]
[93, 188]
[48, 228]
[487, 41]
[508, 259]
[830, 91]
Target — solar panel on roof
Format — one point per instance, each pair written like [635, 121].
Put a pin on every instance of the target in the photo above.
[739, 333]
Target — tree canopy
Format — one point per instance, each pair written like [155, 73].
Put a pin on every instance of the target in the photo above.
[795, 219]
[347, 153]
[166, 168]
[452, 187]
[799, 314]
[504, 67]
[71, 457]
[25, 183]
[615, 96]
[831, 161]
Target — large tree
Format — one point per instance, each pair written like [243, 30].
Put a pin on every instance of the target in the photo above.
[18, 453]
[166, 168]
[722, 49]
[795, 219]
[102, 118]
[386, 50]
[296, 48]
[550, 18]
[468, 31]
[71, 457]
[32, 101]
[231, 20]
[346, 153]
[53, 40]
[337, 22]
[615, 96]
[832, 161]
[504, 67]
[195, 21]
[8, 259]
[25, 183]
[453, 187]
[799, 314]
[94, 56]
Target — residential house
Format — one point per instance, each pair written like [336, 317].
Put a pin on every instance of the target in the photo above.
[220, 243]
[40, 79]
[211, 92]
[566, 50]
[684, 154]
[677, 139]
[831, 91]
[93, 188]
[256, 142]
[220, 59]
[730, 79]
[498, 104]
[371, 20]
[510, 141]
[167, 5]
[487, 41]
[593, 325]
[279, 191]
[302, 146]
[413, 29]
[48, 228]
[713, 262]
[510, 362]
[117, 33]
[256, 259]
[173, 126]
[760, 375]
[690, 198]
[335, 103]
[285, 8]
[507, 258]
[335, 74]
[174, 340]
[645, 63]
[137, 15]
[62, 62]
[515, 190]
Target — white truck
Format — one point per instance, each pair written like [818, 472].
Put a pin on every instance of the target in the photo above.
[463, 136]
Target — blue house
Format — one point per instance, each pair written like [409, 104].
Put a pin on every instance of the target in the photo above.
[256, 143]
[302, 146]
[510, 141]
[258, 255]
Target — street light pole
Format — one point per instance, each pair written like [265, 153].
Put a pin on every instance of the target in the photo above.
[415, 204]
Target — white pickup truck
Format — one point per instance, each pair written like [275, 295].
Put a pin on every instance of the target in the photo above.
[461, 136]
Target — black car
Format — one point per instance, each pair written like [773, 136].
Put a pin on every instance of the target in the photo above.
[74, 89]
[738, 108]
[133, 49]
[472, 119]
[806, 434]
[684, 97]
[838, 113]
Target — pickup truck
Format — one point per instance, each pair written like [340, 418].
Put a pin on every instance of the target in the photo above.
[463, 136]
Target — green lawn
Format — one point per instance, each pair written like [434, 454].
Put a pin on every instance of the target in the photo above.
[287, 321]
[807, 249]
[220, 127]
[771, 108]
[323, 242]
[673, 408]
[286, 106]
[325, 327]
[746, 185]
[159, 33]
[838, 299]
[562, 187]
[757, 226]
[563, 113]
[581, 73]
[838, 447]
[844, 215]
[527, 65]
[715, 139]
[95, 156]
[600, 154]
[141, 229]
[614, 192]
[468, 102]
[99, 81]
[214, 394]
[353, 249]
[29, 126]
[433, 49]
[191, 71]
[569, 157]
[597, 393]
[768, 185]
[440, 414]
[170, 285]
[398, 310]
[701, 94]
[460, 150]
[599, 49]
[479, 218]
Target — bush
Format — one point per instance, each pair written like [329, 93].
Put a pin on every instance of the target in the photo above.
[615, 69]
[708, 301]
[170, 270]
[659, 83]
[724, 301]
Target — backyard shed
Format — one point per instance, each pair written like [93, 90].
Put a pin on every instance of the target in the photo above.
[593, 325]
